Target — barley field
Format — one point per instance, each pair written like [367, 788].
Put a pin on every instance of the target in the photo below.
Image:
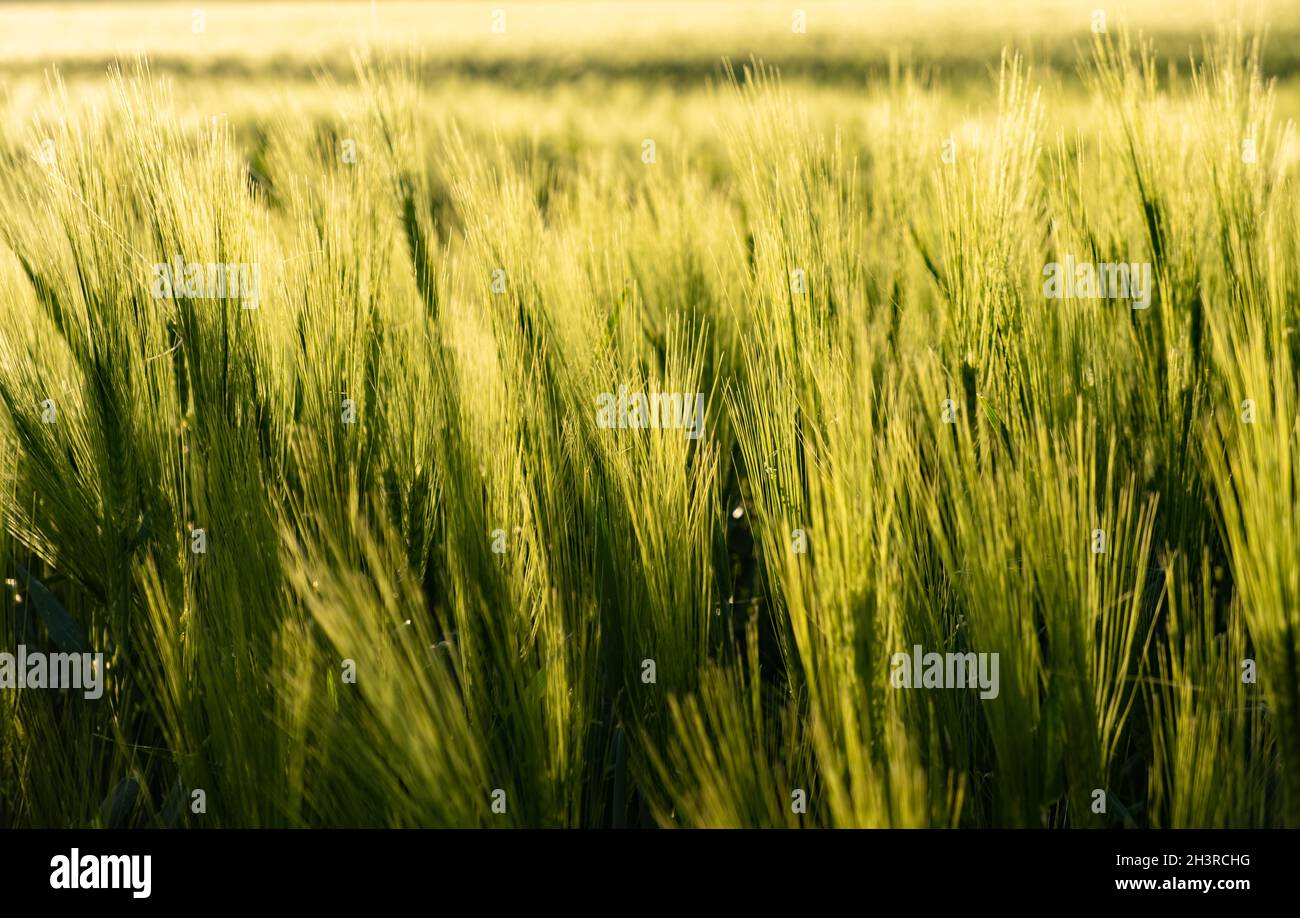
[709, 414]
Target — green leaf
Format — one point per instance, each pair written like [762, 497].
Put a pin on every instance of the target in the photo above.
[24, 627]
[64, 630]
[173, 808]
[116, 809]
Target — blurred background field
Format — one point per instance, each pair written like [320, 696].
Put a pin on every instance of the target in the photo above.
[546, 40]
[670, 43]
[592, 75]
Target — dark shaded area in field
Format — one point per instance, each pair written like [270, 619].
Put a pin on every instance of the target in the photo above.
[976, 58]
